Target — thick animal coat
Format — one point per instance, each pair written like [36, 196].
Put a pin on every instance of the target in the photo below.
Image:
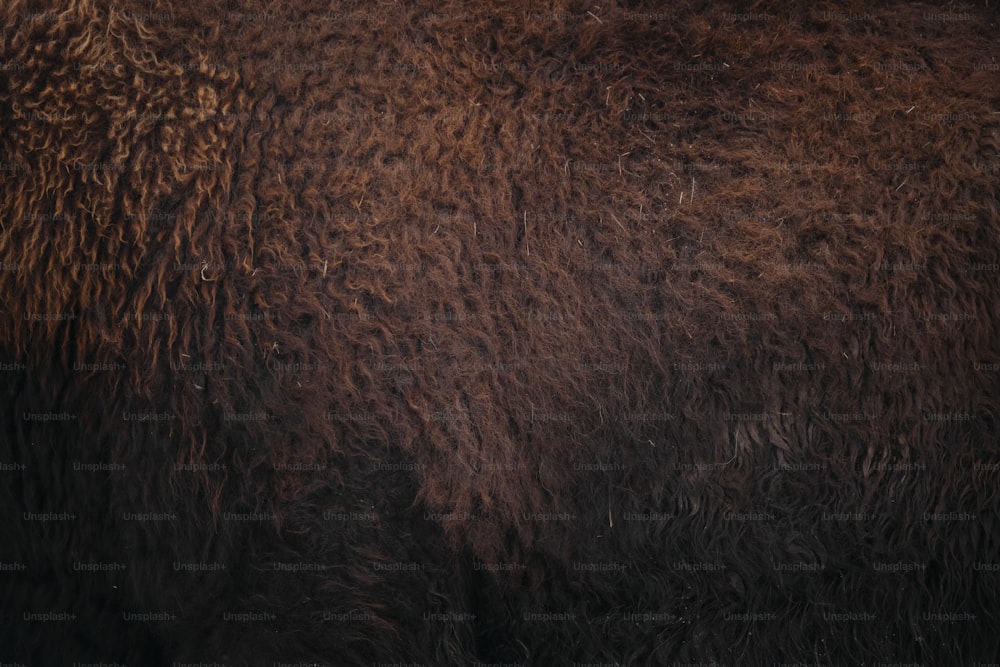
[446, 333]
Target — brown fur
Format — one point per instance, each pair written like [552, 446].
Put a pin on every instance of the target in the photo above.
[501, 279]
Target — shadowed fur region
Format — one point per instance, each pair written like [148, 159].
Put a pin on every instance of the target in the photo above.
[455, 333]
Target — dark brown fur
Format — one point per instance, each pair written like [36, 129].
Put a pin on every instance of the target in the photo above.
[680, 328]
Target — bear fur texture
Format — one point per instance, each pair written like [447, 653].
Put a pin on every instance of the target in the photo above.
[451, 333]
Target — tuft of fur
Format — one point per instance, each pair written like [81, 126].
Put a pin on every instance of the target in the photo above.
[457, 332]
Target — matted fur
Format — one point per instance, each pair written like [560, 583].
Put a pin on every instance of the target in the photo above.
[450, 332]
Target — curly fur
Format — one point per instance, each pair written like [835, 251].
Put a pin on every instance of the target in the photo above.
[452, 332]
